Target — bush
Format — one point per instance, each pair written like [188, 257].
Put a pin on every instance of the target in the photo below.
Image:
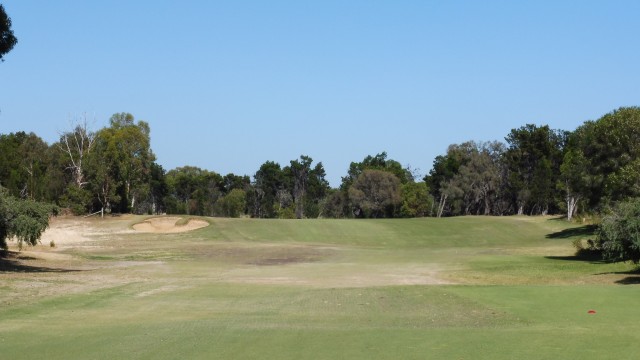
[619, 233]
[24, 219]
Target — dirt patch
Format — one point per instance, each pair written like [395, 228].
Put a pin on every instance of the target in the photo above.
[168, 225]
[280, 261]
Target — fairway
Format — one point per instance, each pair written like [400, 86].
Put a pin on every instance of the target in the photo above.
[450, 288]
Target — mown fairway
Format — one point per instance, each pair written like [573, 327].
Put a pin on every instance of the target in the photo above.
[456, 288]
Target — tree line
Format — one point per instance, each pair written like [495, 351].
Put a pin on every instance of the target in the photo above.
[536, 170]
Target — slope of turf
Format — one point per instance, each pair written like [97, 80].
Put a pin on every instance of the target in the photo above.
[324, 289]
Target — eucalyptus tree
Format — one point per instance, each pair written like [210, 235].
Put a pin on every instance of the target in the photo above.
[307, 185]
[375, 193]
[77, 145]
[268, 181]
[611, 148]
[25, 220]
[439, 180]
[7, 38]
[24, 162]
[533, 159]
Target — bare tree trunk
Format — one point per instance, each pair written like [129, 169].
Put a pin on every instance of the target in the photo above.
[572, 206]
[443, 201]
[487, 206]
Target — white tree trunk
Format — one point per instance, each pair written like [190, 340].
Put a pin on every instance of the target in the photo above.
[443, 201]
[572, 206]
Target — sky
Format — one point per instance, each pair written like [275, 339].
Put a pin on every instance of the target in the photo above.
[229, 85]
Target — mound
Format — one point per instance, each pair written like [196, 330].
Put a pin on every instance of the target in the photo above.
[166, 225]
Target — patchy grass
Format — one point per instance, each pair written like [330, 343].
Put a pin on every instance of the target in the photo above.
[460, 288]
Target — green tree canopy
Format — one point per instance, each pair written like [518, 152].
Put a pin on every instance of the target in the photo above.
[25, 220]
[533, 161]
[375, 193]
[619, 232]
[7, 39]
[611, 148]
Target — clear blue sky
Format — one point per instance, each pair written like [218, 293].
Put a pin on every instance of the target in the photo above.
[229, 85]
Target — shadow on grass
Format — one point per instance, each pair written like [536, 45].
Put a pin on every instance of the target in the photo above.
[585, 255]
[586, 230]
[13, 262]
[629, 280]
[632, 279]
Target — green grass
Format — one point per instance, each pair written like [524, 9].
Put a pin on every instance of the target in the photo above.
[507, 288]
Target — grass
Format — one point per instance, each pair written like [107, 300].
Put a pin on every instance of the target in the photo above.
[459, 288]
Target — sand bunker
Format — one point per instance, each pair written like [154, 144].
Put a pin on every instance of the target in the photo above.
[166, 225]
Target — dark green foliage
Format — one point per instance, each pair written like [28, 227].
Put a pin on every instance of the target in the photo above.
[336, 205]
[611, 148]
[7, 39]
[193, 191]
[540, 171]
[76, 199]
[233, 204]
[378, 162]
[375, 193]
[416, 200]
[619, 232]
[533, 162]
[27, 167]
[269, 182]
[469, 179]
[24, 219]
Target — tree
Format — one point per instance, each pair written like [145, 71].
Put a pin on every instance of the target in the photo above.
[77, 145]
[375, 193]
[307, 184]
[336, 204]
[476, 185]
[24, 219]
[234, 203]
[416, 200]
[300, 171]
[533, 160]
[23, 165]
[611, 147]
[7, 39]
[194, 191]
[619, 233]
[573, 180]
[317, 189]
[445, 167]
[268, 181]
[378, 162]
[121, 164]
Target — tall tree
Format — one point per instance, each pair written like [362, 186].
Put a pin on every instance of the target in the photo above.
[194, 191]
[378, 162]
[300, 170]
[574, 179]
[375, 193]
[268, 181]
[127, 146]
[7, 39]
[77, 145]
[23, 164]
[611, 146]
[445, 167]
[416, 200]
[479, 178]
[533, 160]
